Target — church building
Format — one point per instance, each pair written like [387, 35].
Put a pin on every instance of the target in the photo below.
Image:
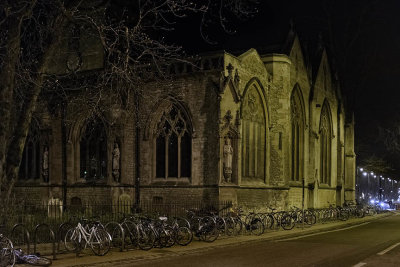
[257, 128]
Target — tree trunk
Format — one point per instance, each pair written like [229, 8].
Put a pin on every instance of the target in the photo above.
[22, 126]
[7, 84]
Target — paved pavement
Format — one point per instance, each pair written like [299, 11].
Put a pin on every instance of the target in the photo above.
[137, 257]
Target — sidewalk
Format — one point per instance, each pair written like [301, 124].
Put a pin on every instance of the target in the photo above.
[115, 257]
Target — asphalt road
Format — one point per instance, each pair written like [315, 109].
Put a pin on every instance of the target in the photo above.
[353, 246]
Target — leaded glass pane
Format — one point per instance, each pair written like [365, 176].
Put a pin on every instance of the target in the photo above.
[186, 152]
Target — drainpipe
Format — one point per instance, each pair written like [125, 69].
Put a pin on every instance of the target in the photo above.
[64, 154]
[137, 152]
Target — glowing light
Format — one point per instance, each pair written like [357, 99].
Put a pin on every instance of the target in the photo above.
[364, 173]
[361, 169]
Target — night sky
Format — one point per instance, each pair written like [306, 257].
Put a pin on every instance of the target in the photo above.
[366, 35]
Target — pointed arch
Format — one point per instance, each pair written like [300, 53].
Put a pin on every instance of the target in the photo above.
[171, 131]
[298, 122]
[254, 115]
[159, 108]
[325, 143]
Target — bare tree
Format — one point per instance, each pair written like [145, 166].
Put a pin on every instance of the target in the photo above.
[32, 32]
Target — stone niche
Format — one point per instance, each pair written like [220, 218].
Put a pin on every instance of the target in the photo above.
[229, 150]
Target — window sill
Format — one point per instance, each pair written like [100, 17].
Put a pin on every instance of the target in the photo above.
[296, 183]
[326, 186]
[31, 182]
[171, 181]
[91, 181]
[252, 182]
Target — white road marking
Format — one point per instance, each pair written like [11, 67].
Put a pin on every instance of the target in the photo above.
[321, 233]
[388, 249]
[359, 264]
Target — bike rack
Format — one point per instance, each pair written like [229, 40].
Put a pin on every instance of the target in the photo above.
[26, 234]
[122, 233]
[52, 237]
[59, 236]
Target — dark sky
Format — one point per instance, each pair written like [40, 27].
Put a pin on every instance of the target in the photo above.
[365, 31]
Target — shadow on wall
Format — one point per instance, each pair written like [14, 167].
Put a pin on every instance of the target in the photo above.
[211, 132]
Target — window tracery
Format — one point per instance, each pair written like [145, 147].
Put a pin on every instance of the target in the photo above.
[325, 138]
[253, 138]
[173, 145]
[297, 136]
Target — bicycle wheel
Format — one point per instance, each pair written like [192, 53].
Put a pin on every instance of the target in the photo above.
[36, 261]
[131, 234]
[116, 236]
[238, 225]
[360, 213]
[183, 236]
[287, 222]
[310, 219]
[256, 227]
[325, 215]
[229, 226]
[208, 229]
[7, 256]
[100, 242]
[221, 225]
[343, 215]
[268, 221]
[371, 211]
[71, 240]
[166, 236]
[146, 238]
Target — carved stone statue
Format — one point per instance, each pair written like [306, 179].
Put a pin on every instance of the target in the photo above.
[228, 153]
[45, 164]
[115, 162]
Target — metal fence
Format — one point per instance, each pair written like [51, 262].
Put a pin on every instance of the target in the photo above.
[30, 215]
[42, 226]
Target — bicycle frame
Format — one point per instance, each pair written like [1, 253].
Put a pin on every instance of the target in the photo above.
[82, 232]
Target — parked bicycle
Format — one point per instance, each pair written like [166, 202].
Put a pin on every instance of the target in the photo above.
[21, 258]
[203, 227]
[93, 235]
[10, 256]
[7, 257]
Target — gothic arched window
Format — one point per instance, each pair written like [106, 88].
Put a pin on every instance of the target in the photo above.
[173, 142]
[253, 137]
[30, 162]
[325, 137]
[297, 135]
[93, 151]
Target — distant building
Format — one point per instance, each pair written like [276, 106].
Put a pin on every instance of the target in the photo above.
[247, 128]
